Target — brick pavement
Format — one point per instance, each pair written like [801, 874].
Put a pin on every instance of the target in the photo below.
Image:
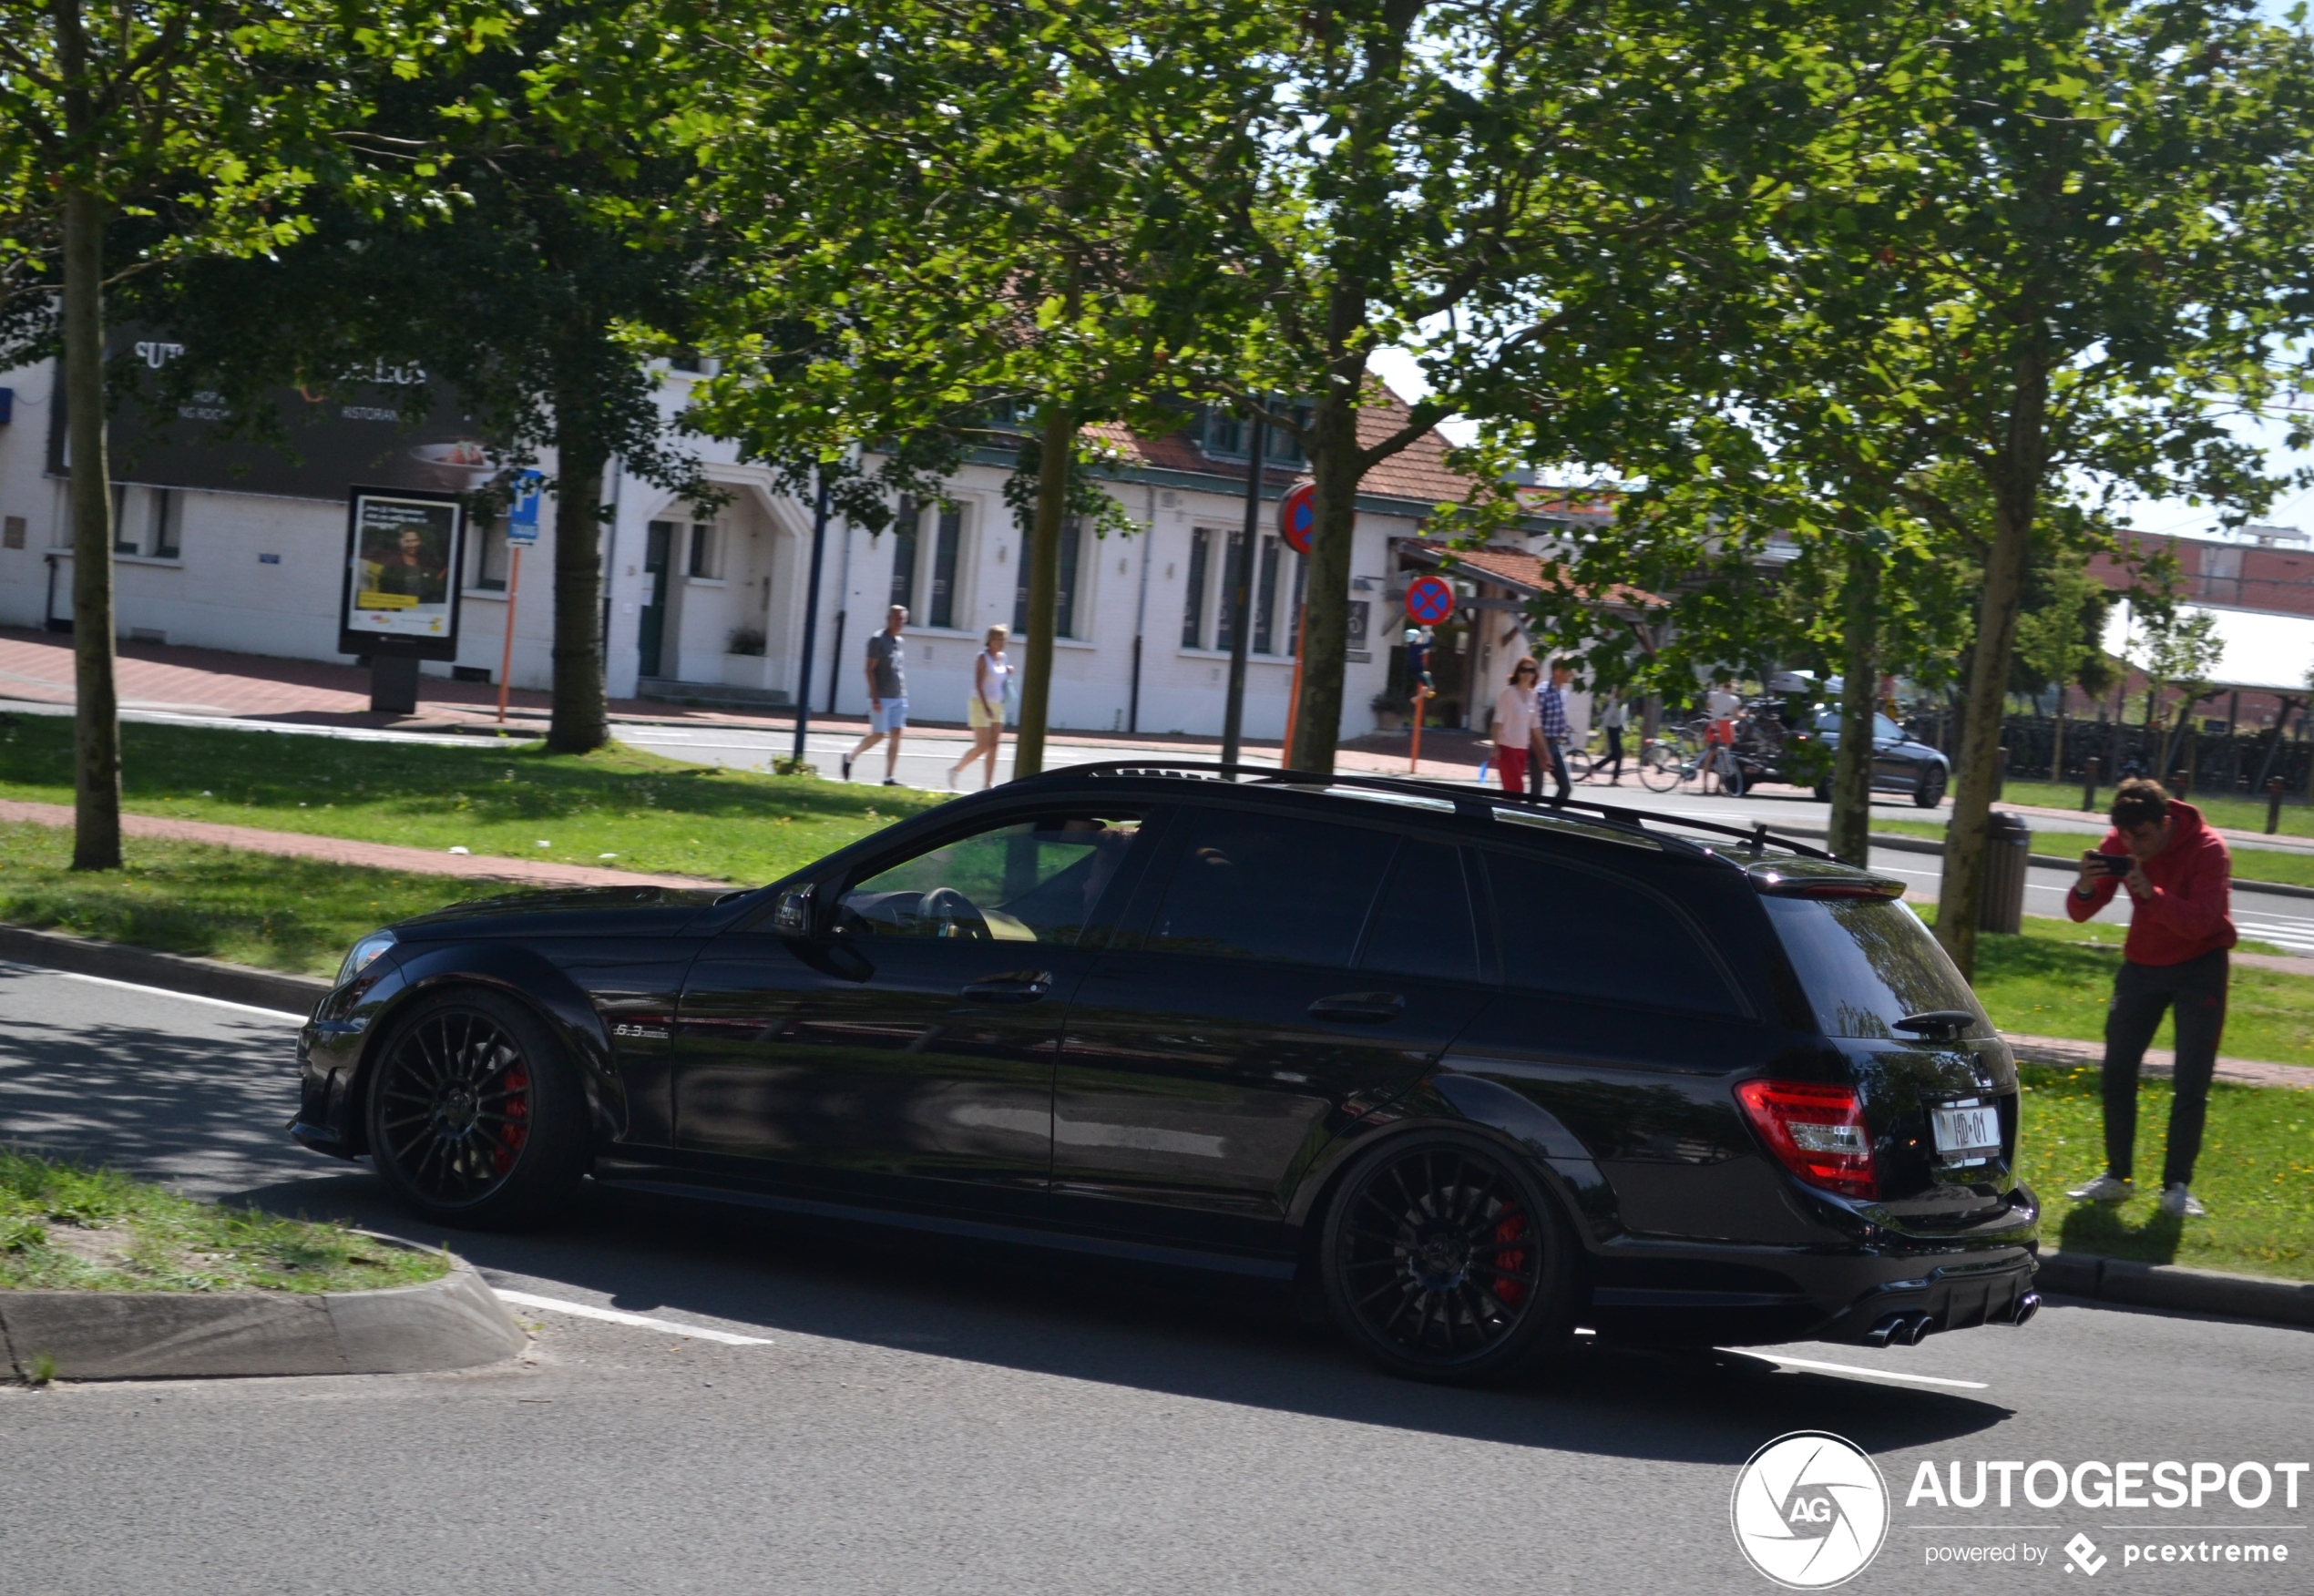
[341, 851]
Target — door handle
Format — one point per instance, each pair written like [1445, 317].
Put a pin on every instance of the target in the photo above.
[1360, 1007]
[1019, 986]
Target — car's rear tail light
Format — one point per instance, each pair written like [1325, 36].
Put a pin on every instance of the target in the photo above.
[1816, 1131]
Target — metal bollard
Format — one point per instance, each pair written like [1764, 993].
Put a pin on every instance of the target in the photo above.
[2090, 773]
[2273, 805]
[2181, 783]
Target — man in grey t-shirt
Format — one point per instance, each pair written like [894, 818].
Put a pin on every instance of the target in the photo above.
[887, 694]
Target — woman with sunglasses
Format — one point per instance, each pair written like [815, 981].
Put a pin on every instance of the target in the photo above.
[1514, 724]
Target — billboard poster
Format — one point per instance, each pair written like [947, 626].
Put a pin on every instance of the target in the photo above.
[404, 551]
[369, 429]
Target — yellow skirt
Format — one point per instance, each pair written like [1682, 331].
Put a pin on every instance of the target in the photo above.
[976, 713]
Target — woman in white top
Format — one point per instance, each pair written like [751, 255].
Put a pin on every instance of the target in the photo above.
[1514, 724]
[984, 711]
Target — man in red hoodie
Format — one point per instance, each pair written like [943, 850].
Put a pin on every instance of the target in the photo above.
[2179, 876]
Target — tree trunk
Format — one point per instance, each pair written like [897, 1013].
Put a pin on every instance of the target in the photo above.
[2057, 738]
[580, 721]
[95, 742]
[1851, 825]
[1057, 446]
[1336, 464]
[2016, 491]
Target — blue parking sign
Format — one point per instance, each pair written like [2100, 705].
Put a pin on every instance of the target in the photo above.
[522, 516]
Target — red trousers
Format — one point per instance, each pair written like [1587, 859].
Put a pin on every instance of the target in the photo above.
[1511, 764]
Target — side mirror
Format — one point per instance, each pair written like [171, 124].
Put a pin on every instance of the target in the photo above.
[793, 916]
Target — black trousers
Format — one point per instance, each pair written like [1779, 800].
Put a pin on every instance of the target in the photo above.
[1614, 760]
[2141, 993]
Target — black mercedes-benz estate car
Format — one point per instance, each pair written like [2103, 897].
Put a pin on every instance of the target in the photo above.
[1480, 1069]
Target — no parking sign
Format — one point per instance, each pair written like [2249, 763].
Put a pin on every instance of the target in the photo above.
[1297, 516]
[1429, 600]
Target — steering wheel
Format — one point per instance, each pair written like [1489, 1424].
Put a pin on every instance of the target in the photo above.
[953, 914]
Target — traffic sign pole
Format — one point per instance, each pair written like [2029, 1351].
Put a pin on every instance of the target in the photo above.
[505, 650]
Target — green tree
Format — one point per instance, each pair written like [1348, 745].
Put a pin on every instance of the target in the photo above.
[956, 237]
[547, 252]
[207, 118]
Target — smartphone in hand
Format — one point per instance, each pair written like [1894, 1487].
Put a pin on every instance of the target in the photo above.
[2114, 865]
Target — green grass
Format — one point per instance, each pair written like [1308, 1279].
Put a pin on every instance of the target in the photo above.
[2234, 813]
[618, 806]
[2255, 1174]
[2249, 863]
[295, 915]
[2053, 980]
[64, 1226]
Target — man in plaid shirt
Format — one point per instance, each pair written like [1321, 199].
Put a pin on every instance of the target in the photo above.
[1550, 727]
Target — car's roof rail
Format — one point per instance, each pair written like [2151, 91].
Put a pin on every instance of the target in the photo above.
[1756, 838]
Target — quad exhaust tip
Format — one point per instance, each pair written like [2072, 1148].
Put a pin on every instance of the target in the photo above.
[1901, 1330]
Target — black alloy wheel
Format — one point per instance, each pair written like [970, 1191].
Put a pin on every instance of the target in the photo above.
[1927, 791]
[1444, 1260]
[474, 1117]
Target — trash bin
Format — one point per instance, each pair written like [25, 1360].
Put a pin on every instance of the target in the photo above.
[2008, 847]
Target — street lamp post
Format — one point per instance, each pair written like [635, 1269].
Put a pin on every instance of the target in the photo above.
[1241, 600]
[811, 621]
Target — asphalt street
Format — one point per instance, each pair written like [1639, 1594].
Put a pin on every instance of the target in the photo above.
[927, 1417]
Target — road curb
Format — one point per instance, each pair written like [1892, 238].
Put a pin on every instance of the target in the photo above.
[2128, 1282]
[452, 1323]
[174, 972]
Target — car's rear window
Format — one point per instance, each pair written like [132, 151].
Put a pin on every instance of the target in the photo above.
[1868, 964]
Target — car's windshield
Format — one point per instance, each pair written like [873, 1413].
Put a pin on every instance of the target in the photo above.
[1868, 964]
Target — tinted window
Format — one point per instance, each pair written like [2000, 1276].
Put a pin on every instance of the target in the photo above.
[1867, 965]
[1030, 881]
[1422, 925]
[1270, 887]
[1591, 934]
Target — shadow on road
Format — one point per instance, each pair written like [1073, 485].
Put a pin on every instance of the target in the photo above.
[1172, 1332]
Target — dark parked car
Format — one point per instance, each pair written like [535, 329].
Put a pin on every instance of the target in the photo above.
[1481, 1069]
[1901, 762]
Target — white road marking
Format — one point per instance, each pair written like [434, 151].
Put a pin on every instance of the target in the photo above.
[25, 969]
[1809, 1363]
[638, 1321]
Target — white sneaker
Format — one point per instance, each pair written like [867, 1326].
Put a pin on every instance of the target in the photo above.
[2107, 1188]
[2182, 1202]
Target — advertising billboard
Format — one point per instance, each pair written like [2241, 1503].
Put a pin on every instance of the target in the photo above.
[369, 431]
[403, 549]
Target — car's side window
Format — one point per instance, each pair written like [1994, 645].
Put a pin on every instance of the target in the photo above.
[1035, 880]
[1422, 925]
[1586, 934]
[1269, 886]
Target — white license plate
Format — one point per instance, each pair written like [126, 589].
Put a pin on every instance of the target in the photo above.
[1967, 1135]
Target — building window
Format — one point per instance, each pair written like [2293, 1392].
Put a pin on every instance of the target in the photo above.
[1192, 618]
[1265, 601]
[1072, 536]
[706, 551]
[169, 523]
[146, 521]
[947, 548]
[938, 583]
[490, 556]
[904, 553]
[1226, 436]
[2220, 578]
[1225, 603]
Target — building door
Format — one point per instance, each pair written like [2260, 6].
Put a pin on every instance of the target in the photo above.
[652, 636]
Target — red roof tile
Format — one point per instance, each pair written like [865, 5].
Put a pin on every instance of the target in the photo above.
[1418, 472]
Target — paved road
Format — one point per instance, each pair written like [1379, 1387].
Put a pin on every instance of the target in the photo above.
[938, 1419]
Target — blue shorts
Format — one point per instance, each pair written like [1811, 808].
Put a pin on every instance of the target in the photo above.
[892, 717]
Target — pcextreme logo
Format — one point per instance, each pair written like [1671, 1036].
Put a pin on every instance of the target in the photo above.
[1810, 1510]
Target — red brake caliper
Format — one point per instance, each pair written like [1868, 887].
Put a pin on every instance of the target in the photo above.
[516, 1109]
[1507, 1231]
